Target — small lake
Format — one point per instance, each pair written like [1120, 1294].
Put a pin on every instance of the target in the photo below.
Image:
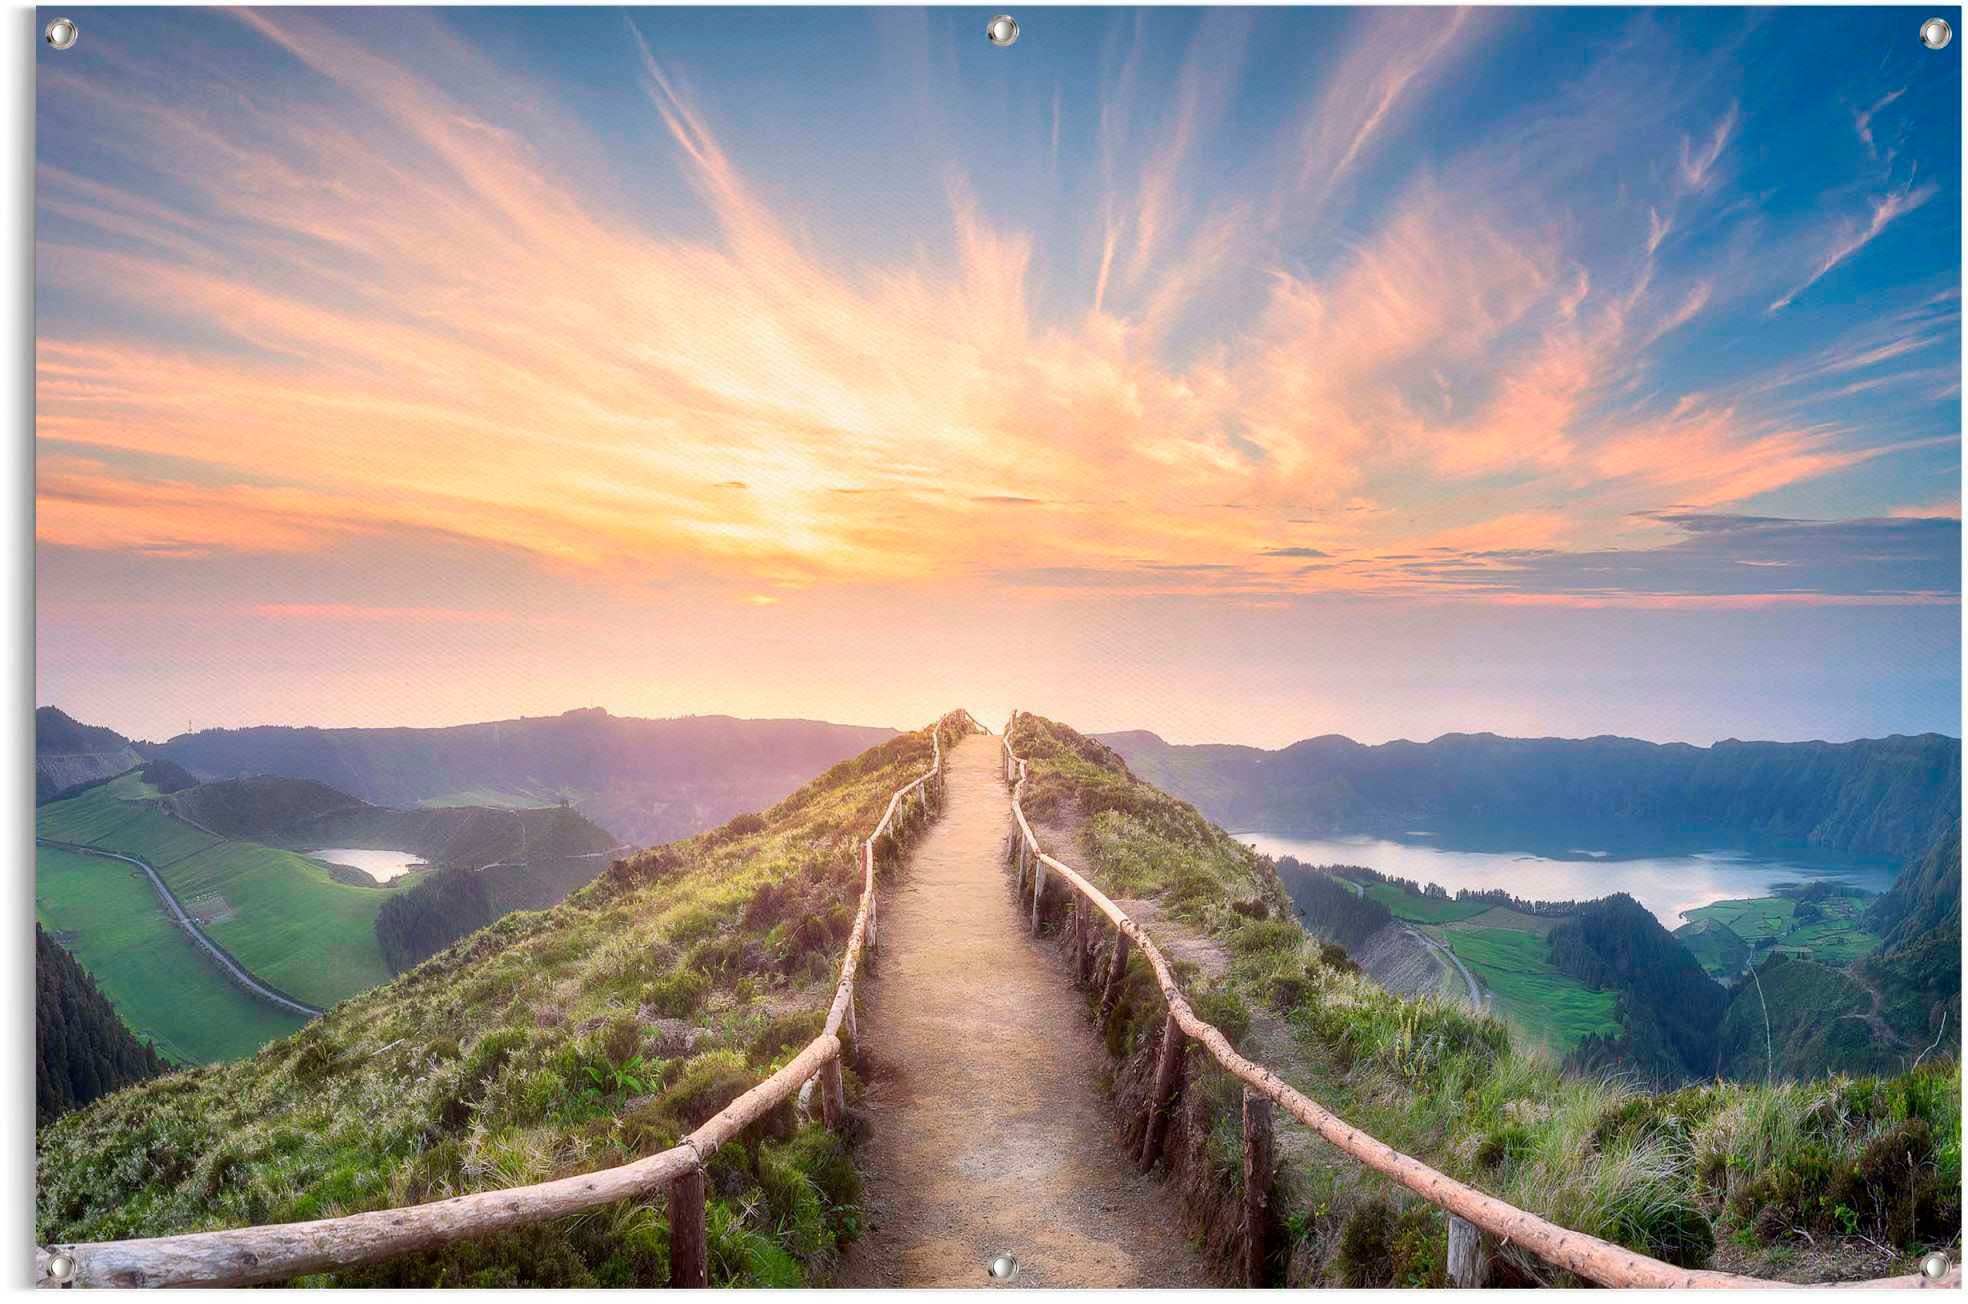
[1667, 884]
[379, 865]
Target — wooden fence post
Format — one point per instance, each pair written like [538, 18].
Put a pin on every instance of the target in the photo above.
[1038, 890]
[1083, 961]
[1168, 1084]
[687, 1263]
[1110, 994]
[833, 1095]
[1258, 1171]
[1469, 1254]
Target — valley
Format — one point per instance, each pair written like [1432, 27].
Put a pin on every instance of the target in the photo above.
[303, 894]
[603, 1029]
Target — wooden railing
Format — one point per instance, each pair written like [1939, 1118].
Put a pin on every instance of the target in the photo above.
[248, 1256]
[1481, 1215]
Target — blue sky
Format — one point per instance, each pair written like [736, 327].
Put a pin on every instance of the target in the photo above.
[1280, 371]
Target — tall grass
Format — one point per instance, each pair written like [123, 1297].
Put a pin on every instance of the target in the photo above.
[1678, 1175]
[545, 1045]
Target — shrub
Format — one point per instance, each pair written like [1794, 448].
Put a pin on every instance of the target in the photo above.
[1227, 1011]
[678, 994]
[707, 1083]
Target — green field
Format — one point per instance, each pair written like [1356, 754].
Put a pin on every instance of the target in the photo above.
[1555, 1009]
[289, 922]
[100, 818]
[167, 991]
[280, 914]
[1715, 947]
[1836, 939]
[1418, 909]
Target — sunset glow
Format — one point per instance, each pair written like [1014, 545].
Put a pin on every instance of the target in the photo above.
[420, 367]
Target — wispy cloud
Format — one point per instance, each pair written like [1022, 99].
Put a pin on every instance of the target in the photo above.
[414, 311]
[1852, 237]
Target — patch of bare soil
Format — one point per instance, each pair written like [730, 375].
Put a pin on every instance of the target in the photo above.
[1403, 963]
[990, 1129]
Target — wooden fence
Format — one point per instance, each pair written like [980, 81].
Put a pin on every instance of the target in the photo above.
[248, 1256]
[1475, 1219]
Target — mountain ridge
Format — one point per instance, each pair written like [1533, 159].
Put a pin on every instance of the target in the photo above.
[647, 780]
[1887, 797]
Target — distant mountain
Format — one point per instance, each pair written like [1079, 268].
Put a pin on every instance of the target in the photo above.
[1887, 796]
[1925, 897]
[304, 815]
[82, 1049]
[67, 753]
[648, 781]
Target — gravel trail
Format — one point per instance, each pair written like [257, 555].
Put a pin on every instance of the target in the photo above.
[990, 1127]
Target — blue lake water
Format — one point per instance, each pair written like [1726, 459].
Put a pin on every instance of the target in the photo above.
[1667, 884]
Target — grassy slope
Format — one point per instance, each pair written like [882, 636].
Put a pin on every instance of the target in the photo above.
[1838, 938]
[290, 923]
[1770, 1169]
[1420, 909]
[548, 1044]
[1553, 1009]
[1715, 946]
[1506, 950]
[161, 986]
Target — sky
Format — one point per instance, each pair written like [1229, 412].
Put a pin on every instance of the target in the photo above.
[1243, 375]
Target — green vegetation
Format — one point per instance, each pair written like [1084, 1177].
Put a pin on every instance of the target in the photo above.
[1668, 1008]
[103, 817]
[292, 925]
[165, 988]
[1335, 908]
[81, 1048]
[1419, 908]
[537, 1048]
[1556, 1010]
[444, 907]
[1831, 929]
[1715, 946]
[1477, 1099]
[280, 915]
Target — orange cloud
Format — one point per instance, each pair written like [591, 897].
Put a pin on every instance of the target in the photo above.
[416, 323]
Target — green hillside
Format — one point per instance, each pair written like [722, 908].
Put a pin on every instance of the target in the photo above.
[279, 914]
[164, 988]
[1749, 1175]
[82, 1048]
[1508, 952]
[549, 1044]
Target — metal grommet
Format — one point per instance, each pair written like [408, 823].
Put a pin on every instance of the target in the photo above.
[1003, 1267]
[1001, 30]
[1935, 1266]
[61, 1267]
[61, 33]
[1935, 33]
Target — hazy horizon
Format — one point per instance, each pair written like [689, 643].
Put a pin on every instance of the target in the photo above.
[995, 724]
[1246, 375]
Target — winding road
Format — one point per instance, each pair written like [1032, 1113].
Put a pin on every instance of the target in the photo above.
[232, 967]
[1476, 999]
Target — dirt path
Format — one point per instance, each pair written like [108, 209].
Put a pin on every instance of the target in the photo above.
[991, 1130]
[1476, 1001]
